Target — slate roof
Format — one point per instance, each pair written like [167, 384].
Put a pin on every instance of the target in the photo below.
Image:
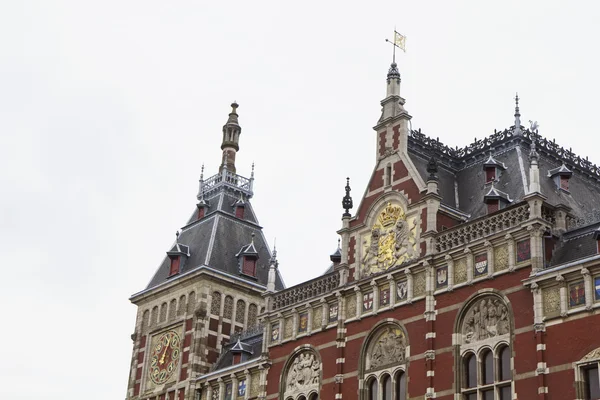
[461, 171]
[252, 348]
[576, 244]
[215, 240]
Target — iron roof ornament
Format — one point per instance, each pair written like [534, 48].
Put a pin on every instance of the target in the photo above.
[347, 200]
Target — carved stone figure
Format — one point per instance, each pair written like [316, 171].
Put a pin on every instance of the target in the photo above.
[392, 241]
[303, 374]
[485, 319]
[389, 348]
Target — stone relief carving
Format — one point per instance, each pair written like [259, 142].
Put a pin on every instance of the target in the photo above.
[317, 317]
[592, 355]
[487, 318]
[501, 258]
[551, 300]
[303, 374]
[351, 306]
[392, 241]
[388, 348]
[460, 271]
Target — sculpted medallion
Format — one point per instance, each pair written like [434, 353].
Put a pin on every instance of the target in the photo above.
[303, 374]
[391, 242]
[388, 348]
[485, 319]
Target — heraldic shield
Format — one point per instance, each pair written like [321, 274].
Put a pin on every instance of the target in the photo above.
[391, 242]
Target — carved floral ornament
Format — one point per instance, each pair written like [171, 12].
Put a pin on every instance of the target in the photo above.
[387, 348]
[391, 241]
[303, 375]
[486, 318]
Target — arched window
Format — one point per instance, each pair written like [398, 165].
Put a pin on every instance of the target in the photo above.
[215, 305]
[470, 370]
[487, 363]
[301, 375]
[228, 307]
[486, 373]
[384, 363]
[240, 311]
[401, 386]
[373, 389]
[386, 386]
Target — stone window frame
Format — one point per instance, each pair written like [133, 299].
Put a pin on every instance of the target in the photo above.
[591, 358]
[494, 344]
[310, 395]
[497, 383]
[394, 370]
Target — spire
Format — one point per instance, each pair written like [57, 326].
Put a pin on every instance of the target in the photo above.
[517, 130]
[347, 200]
[231, 138]
[273, 264]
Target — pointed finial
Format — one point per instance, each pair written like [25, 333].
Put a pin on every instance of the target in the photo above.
[177, 236]
[273, 260]
[339, 241]
[252, 173]
[517, 130]
[347, 200]
[234, 107]
[252, 237]
[202, 172]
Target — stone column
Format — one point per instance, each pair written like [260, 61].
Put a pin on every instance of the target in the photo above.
[359, 301]
[375, 290]
[510, 243]
[564, 305]
[234, 386]
[490, 258]
[294, 323]
[450, 264]
[469, 258]
[325, 316]
[392, 293]
[309, 322]
[248, 378]
[409, 285]
[589, 289]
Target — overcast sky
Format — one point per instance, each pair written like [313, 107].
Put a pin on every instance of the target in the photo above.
[109, 108]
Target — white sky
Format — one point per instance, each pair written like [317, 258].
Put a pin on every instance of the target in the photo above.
[109, 108]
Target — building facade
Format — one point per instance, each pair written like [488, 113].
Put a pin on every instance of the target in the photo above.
[468, 273]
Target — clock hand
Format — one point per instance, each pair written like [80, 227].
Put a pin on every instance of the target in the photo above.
[162, 359]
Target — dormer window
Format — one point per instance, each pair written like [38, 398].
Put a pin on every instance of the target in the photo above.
[496, 199]
[248, 257]
[561, 177]
[177, 255]
[493, 169]
[202, 207]
[239, 208]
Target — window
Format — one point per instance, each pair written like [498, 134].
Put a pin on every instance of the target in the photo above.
[383, 364]
[491, 376]
[387, 388]
[174, 265]
[591, 383]
[564, 183]
[401, 386]
[249, 266]
[373, 389]
[388, 175]
[484, 352]
[587, 376]
[490, 174]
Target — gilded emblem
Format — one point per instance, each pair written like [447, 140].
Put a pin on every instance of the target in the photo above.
[392, 241]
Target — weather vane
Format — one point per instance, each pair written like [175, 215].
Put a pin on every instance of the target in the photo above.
[399, 42]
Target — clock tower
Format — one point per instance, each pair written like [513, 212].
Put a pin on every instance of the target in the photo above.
[208, 287]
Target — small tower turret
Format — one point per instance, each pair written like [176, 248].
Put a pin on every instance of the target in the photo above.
[231, 138]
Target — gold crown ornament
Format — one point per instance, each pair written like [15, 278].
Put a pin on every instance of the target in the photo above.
[390, 214]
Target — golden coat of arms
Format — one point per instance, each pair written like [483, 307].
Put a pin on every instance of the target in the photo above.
[392, 241]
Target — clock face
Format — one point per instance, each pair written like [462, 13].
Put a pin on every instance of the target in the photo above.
[165, 357]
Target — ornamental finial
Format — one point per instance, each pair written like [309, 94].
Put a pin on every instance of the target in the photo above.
[347, 200]
[517, 116]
